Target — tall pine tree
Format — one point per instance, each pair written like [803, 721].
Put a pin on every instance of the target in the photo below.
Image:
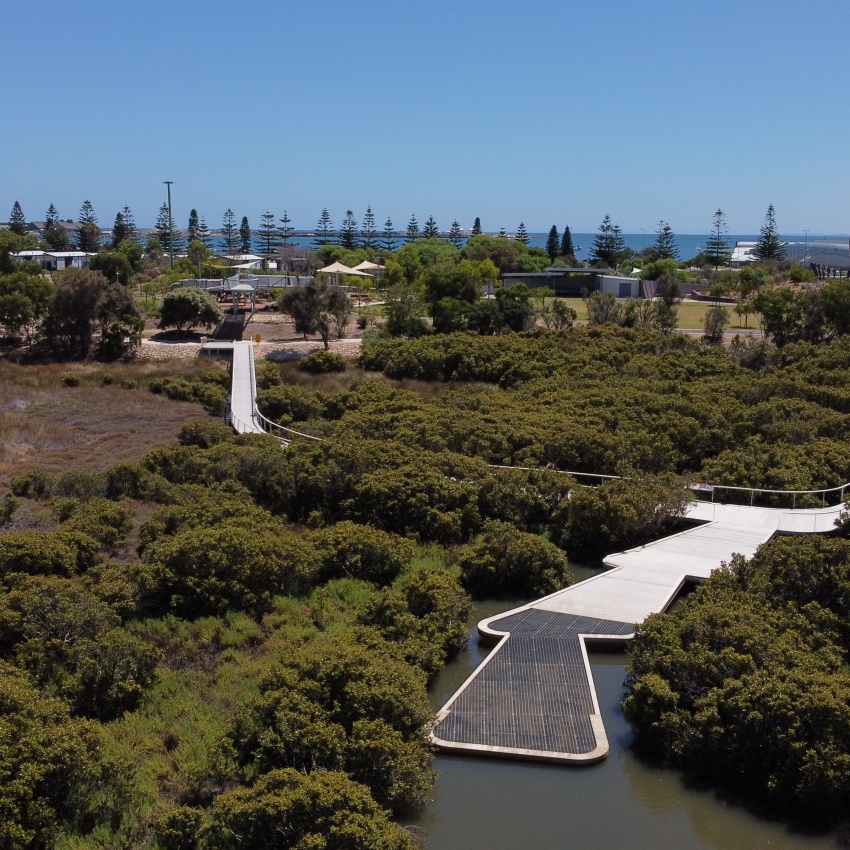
[119, 230]
[229, 232]
[411, 233]
[430, 230]
[717, 247]
[130, 224]
[164, 230]
[455, 236]
[388, 242]
[368, 233]
[88, 238]
[204, 234]
[567, 247]
[476, 227]
[245, 235]
[267, 234]
[55, 234]
[17, 220]
[608, 244]
[664, 247]
[769, 248]
[522, 234]
[348, 231]
[285, 231]
[192, 227]
[552, 244]
[324, 229]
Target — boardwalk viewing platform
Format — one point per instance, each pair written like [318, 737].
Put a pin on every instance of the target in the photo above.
[533, 697]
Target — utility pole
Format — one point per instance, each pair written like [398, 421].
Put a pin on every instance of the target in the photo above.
[170, 223]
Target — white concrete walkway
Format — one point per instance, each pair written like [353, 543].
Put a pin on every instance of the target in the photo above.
[641, 581]
[243, 386]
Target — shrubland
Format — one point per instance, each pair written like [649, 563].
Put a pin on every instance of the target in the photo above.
[245, 634]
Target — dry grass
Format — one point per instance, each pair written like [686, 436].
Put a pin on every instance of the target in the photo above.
[49, 426]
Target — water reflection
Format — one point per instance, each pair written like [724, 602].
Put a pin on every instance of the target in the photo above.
[494, 804]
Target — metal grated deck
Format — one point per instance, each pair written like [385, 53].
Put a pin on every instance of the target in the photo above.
[533, 694]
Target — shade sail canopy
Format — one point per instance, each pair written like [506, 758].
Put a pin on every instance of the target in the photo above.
[367, 265]
[339, 268]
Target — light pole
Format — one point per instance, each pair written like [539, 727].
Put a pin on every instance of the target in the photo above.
[170, 223]
[806, 245]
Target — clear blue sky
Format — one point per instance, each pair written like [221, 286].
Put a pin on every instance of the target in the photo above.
[546, 112]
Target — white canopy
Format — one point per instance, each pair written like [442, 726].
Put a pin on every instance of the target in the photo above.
[339, 268]
[367, 265]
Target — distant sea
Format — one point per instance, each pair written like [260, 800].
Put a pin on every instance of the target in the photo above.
[689, 244]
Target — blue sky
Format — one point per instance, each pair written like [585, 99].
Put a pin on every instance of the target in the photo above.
[542, 112]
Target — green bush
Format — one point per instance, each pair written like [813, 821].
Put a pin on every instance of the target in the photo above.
[508, 562]
[349, 550]
[71, 380]
[322, 362]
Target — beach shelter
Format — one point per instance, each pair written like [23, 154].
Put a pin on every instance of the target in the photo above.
[338, 269]
[367, 266]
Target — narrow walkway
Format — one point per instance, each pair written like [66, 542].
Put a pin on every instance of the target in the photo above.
[534, 697]
[243, 386]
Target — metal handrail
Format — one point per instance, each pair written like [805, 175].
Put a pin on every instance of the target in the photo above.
[269, 426]
[559, 471]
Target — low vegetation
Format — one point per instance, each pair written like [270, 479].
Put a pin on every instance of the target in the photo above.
[226, 637]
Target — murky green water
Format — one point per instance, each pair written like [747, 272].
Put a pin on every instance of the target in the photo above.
[493, 804]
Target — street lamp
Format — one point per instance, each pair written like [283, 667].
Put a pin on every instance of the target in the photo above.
[170, 223]
[806, 245]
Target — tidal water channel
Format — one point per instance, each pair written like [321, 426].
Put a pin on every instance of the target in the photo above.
[496, 804]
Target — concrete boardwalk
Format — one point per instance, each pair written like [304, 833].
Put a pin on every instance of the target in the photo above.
[533, 697]
[243, 386]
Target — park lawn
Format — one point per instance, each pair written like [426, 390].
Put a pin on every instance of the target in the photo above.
[691, 314]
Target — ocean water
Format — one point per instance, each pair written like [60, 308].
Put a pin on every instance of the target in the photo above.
[689, 244]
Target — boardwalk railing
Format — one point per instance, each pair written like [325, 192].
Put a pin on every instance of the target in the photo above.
[822, 493]
[286, 435]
